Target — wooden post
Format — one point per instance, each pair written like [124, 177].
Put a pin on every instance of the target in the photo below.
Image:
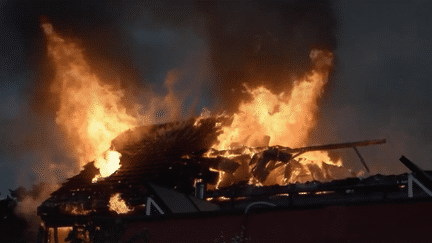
[46, 235]
[361, 158]
[41, 235]
[56, 235]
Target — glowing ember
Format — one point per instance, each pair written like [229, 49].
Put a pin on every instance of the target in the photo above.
[222, 198]
[90, 111]
[63, 232]
[76, 209]
[118, 205]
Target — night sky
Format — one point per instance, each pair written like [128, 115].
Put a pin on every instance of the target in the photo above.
[380, 86]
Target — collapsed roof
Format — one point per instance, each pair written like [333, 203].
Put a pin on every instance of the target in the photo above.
[177, 156]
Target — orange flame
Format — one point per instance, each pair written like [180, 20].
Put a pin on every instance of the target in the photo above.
[107, 165]
[285, 119]
[118, 205]
[90, 111]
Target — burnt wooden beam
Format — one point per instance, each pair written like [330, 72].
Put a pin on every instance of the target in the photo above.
[335, 146]
[56, 239]
[387, 184]
[303, 149]
[361, 158]
[420, 174]
[261, 160]
[218, 163]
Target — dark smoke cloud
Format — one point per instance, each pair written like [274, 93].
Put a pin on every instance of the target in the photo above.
[93, 24]
[237, 42]
[257, 42]
[252, 42]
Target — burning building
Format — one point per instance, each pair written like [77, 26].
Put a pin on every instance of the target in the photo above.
[247, 176]
[172, 184]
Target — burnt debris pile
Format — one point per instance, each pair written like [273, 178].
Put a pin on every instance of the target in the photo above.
[172, 168]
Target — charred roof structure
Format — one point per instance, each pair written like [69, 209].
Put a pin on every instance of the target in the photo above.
[169, 180]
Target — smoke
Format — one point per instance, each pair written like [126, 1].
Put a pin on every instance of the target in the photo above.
[263, 42]
[28, 201]
[215, 47]
[381, 85]
[218, 46]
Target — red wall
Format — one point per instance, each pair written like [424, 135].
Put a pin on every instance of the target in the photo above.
[374, 223]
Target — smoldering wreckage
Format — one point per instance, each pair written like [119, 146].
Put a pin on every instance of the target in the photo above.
[172, 186]
[178, 182]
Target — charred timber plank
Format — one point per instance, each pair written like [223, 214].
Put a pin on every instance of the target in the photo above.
[303, 149]
[337, 146]
[56, 238]
[220, 163]
[361, 158]
[370, 184]
[261, 161]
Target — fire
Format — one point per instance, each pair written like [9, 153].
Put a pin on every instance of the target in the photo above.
[118, 205]
[75, 209]
[90, 111]
[285, 119]
[107, 165]
[63, 232]
[92, 114]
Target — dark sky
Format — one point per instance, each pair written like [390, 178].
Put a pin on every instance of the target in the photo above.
[380, 87]
[382, 82]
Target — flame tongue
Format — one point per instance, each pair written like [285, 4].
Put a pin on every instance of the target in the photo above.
[118, 205]
[107, 165]
[90, 111]
[282, 119]
[286, 119]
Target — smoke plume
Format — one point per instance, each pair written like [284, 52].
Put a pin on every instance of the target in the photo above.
[263, 42]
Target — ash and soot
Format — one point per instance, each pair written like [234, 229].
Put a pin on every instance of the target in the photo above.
[247, 92]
